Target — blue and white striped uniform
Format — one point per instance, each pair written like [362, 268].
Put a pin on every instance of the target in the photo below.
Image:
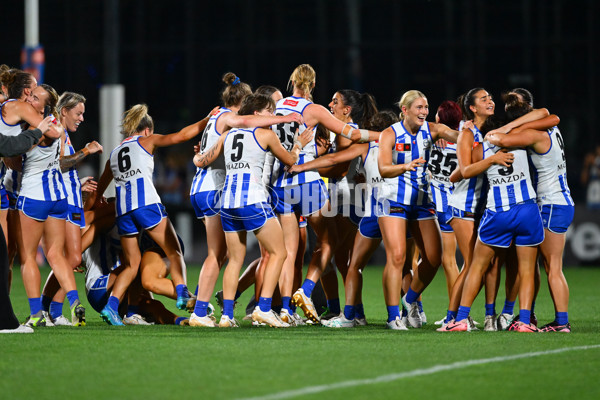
[9, 180]
[410, 188]
[213, 176]
[550, 178]
[100, 259]
[244, 161]
[343, 189]
[287, 132]
[42, 179]
[71, 177]
[442, 163]
[132, 167]
[508, 185]
[468, 195]
[551, 172]
[369, 225]
[511, 215]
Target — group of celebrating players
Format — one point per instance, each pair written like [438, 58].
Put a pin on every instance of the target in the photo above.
[496, 189]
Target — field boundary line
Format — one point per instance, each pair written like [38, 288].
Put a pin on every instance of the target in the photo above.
[416, 372]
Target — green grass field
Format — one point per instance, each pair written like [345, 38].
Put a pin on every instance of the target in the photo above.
[163, 362]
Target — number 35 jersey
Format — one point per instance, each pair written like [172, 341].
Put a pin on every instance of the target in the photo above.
[132, 167]
[508, 186]
[287, 133]
[244, 161]
[441, 164]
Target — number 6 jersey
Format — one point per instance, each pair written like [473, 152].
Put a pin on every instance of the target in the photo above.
[132, 168]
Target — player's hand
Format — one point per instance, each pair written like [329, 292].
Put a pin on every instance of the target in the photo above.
[503, 158]
[94, 147]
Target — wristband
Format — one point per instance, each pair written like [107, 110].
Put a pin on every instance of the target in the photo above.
[364, 135]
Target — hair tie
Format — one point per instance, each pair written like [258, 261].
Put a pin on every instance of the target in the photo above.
[235, 81]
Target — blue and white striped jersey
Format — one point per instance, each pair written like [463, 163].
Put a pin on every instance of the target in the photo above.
[508, 185]
[132, 168]
[373, 178]
[287, 133]
[71, 177]
[344, 186]
[42, 179]
[102, 256]
[469, 195]
[213, 176]
[244, 161]
[410, 188]
[441, 164]
[550, 175]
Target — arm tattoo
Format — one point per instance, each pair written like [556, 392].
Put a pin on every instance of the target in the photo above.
[72, 160]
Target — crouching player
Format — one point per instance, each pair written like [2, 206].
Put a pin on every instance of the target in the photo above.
[102, 261]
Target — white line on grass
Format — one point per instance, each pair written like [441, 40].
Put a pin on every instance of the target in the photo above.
[409, 374]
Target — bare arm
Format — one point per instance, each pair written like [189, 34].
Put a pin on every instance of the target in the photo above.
[441, 131]
[202, 160]
[470, 160]
[529, 117]
[387, 168]
[233, 120]
[103, 182]
[317, 114]
[518, 138]
[268, 139]
[150, 143]
[67, 162]
[328, 160]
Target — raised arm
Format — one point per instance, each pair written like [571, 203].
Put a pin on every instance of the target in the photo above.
[519, 138]
[233, 120]
[150, 143]
[441, 131]
[387, 168]
[317, 114]
[67, 162]
[202, 160]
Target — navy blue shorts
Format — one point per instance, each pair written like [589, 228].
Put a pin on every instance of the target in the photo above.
[521, 224]
[206, 204]
[557, 218]
[75, 216]
[248, 218]
[146, 217]
[304, 199]
[41, 210]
